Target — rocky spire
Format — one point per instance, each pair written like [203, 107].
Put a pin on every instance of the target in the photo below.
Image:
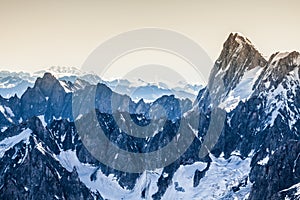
[46, 84]
[239, 52]
[237, 57]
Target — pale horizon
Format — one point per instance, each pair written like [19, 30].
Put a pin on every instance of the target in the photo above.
[37, 35]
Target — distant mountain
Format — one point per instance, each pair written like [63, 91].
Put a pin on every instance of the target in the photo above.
[59, 72]
[12, 83]
[256, 156]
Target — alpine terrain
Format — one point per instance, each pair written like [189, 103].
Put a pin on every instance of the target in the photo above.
[255, 157]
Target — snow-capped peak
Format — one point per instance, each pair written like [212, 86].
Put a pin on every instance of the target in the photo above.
[61, 71]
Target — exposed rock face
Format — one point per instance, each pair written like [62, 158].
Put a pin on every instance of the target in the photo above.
[237, 57]
[46, 97]
[279, 173]
[42, 155]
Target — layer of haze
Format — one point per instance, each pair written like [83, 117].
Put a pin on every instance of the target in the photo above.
[40, 34]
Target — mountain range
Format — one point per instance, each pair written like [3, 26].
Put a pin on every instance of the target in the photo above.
[12, 83]
[256, 154]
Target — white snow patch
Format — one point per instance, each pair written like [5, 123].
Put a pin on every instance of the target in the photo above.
[242, 91]
[296, 186]
[65, 86]
[79, 116]
[108, 186]
[280, 98]
[165, 175]
[280, 55]
[267, 84]
[42, 118]
[39, 146]
[4, 111]
[4, 129]
[9, 142]
[264, 161]
[219, 179]
[9, 111]
[217, 183]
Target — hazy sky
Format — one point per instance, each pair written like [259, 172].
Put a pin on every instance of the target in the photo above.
[40, 34]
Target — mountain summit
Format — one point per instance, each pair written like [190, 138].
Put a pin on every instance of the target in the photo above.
[237, 57]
